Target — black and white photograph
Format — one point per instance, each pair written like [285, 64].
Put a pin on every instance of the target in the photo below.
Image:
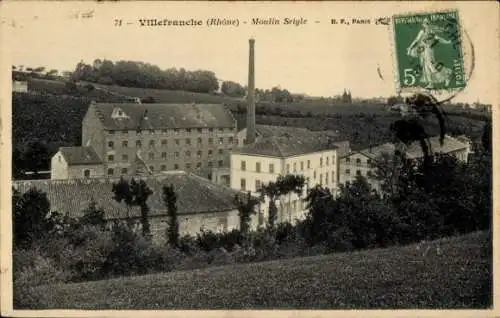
[248, 156]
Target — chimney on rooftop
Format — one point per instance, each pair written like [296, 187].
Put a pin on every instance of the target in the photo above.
[251, 95]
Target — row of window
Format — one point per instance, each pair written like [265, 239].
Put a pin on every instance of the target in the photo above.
[358, 161]
[175, 131]
[164, 142]
[187, 166]
[243, 166]
[258, 183]
[163, 156]
[358, 172]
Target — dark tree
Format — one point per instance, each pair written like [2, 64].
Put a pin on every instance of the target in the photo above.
[30, 217]
[246, 207]
[134, 194]
[36, 158]
[170, 199]
[93, 215]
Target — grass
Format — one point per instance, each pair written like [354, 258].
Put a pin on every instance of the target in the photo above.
[393, 278]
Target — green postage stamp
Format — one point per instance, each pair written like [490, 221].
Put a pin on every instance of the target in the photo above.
[429, 52]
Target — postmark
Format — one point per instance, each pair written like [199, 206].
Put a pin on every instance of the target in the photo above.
[429, 53]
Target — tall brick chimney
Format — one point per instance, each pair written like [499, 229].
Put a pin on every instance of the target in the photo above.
[251, 95]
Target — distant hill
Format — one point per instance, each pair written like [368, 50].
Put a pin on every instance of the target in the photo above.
[394, 278]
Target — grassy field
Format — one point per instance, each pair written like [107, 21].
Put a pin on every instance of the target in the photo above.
[398, 277]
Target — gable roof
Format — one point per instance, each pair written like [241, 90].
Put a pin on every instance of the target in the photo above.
[163, 116]
[194, 195]
[286, 146]
[80, 156]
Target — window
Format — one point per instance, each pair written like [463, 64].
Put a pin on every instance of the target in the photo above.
[164, 155]
[333, 176]
[177, 142]
[271, 168]
[198, 165]
[210, 164]
[86, 173]
[308, 164]
[176, 166]
[221, 163]
[333, 159]
[111, 158]
[327, 161]
[257, 167]
[151, 131]
[221, 151]
[210, 153]
[210, 141]
[221, 129]
[358, 173]
[163, 167]
[243, 165]
[302, 166]
[125, 144]
[111, 144]
[111, 132]
[151, 143]
[176, 131]
[176, 154]
[124, 171]
[164, 131]
[188, 166]
[124, 157]
[198, 154]
[348, 160]
[230, 140]
[188, 154]
[110, 172]
[221, 141]
[287, 168]
[258, 184]
[151, 156]
[164, 143]
[138, 144]
[358, 161]
[314, 175]
[210, 129]
[188, 130]
[369, 174]
[188, 141]
[321, 179]
[321, 162]
[347, 171]
[326, 179]
[294, 167]
[243, 184]
[125, 132]
[200, 130]
[199, 141]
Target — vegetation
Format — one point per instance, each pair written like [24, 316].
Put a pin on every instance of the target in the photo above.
[170, 199]
[457, 278]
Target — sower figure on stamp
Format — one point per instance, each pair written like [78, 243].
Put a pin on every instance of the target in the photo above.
[422, 47]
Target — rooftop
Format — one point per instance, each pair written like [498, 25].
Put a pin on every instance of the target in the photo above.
[286, 146]
[80, 155]
[194, 194]
[162, 116]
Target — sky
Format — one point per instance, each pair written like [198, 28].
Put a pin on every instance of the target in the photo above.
[318, 59]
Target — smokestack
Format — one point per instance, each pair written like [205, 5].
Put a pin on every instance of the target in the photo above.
[251, 95]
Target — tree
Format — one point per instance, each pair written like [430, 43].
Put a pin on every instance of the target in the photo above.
[170, 199]
[246, 208]
[134, 194]
[30, 217]
[93, 215]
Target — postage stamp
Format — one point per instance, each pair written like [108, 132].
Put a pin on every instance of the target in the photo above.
[429, 52]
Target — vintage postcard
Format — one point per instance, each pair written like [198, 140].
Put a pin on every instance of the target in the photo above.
[312, 156]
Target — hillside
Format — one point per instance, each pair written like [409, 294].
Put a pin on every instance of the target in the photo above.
[398, 277]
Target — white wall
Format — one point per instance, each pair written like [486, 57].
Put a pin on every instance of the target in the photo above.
[58, 167]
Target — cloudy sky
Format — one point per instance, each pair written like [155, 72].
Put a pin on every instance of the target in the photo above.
[316, 58]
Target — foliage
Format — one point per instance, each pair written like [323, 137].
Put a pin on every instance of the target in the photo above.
[134, 194]
[232, 89]
[93, 215]
[170, 199]
[246, 208]
[30, 217]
